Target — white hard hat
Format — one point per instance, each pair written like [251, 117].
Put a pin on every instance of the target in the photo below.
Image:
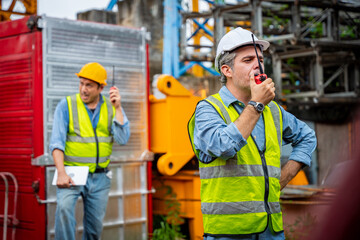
[234, 39]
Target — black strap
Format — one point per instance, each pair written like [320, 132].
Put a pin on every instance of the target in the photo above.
[101, 170]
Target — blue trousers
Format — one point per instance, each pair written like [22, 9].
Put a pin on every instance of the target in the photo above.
[95, 196]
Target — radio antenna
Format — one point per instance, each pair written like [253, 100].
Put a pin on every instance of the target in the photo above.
[257, 56]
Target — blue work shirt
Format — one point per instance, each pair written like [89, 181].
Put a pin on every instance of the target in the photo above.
[216, 139]
[120, 132]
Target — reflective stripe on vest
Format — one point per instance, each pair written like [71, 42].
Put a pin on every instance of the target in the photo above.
[237, 207]
[232, 191]
[81, 145]
[237, 171]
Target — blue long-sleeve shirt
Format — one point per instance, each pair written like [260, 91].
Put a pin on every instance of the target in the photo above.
[216, 139]
[120, 132]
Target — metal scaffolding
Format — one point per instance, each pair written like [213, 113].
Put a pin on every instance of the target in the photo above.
[314, 54]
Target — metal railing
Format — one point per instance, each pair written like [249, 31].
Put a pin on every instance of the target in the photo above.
[9, 218]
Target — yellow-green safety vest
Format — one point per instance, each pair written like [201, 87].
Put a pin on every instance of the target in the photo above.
[240, 196]
[85, 145]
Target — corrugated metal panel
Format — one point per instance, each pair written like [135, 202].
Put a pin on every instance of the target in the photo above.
[79, 41]
[68, 45]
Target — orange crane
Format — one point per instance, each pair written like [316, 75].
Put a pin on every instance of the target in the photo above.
[30, 9]
[169, 138]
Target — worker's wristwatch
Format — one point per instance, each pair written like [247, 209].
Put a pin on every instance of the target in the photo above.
[259, 107]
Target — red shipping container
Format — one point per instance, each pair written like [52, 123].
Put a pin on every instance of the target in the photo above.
[37, 55]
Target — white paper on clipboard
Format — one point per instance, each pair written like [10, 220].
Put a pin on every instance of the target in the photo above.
[78, 174]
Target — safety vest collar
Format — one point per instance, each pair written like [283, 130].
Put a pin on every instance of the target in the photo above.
[228, 98]
[74, 114]
[272, 106]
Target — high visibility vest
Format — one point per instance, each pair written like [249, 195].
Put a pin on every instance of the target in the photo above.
[85, 145]
[241, 195]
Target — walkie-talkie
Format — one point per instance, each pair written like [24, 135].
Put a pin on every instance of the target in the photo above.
[259, 78]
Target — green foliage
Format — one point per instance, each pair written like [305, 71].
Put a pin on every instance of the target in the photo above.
[167, 231]
[284, 7]
[169, 225]
[290, 62]
[316, 30]
[173, 207]
[276, 22]
[292, 77]
[347, 32]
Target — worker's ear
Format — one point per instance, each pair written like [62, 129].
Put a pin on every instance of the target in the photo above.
[226, 70]
[101, 87]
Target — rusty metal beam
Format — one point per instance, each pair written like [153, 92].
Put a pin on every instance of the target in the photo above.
[318, 4]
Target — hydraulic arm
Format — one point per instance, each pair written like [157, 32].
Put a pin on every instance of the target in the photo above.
[168, 125]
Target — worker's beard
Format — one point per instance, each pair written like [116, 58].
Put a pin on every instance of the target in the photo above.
[88, 98]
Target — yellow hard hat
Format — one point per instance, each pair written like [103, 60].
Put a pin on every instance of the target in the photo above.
[93, 71]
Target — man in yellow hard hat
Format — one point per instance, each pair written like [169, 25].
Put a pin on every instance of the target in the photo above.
[85, 125]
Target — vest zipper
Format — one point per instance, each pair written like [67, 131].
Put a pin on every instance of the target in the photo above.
[97, 149]
[263, 163]
[266, 175]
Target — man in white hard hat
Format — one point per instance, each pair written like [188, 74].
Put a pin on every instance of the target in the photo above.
[85, 125]
[237, 135]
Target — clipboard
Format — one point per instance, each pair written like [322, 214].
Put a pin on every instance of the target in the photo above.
[78, 174]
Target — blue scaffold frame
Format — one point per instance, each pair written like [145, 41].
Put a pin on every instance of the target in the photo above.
[111, 5]
[171, 64]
